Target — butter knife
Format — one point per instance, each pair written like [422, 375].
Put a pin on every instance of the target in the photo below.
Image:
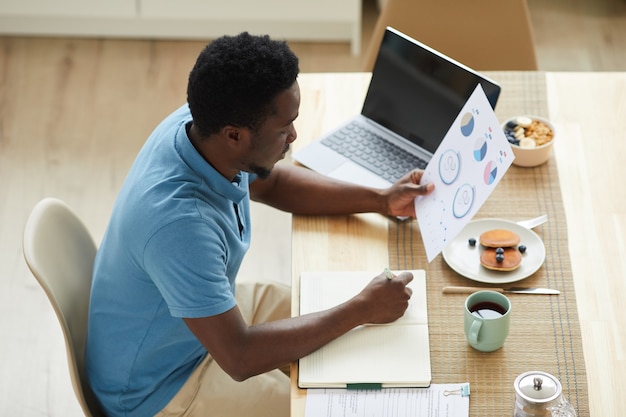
[513, 290]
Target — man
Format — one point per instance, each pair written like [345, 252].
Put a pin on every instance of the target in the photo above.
[166, 334]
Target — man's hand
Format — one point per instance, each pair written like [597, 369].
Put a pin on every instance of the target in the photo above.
[385, 300]
[401, 195]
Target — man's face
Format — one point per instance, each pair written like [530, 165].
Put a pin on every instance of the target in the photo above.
[271, 141]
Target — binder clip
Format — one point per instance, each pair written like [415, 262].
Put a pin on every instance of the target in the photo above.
[464, 391]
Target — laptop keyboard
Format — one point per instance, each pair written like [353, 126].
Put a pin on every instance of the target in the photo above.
[371, 151]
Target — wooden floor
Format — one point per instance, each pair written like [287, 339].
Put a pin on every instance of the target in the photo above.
[74, 112]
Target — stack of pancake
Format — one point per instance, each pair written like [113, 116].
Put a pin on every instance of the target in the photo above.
[501, 252]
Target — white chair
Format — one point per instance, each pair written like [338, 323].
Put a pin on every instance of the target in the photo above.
[60, 252]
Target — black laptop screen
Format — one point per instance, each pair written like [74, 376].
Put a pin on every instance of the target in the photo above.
[417, 92]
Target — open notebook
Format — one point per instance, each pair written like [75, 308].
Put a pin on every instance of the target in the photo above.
[389, 355]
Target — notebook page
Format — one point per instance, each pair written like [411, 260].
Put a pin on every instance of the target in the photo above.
[323, 290]
[394, 354]
[391, 355]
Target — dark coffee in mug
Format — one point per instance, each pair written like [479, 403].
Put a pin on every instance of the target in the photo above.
[487, 310]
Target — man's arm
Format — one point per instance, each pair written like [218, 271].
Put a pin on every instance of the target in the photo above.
[301, 191]
[244, 351]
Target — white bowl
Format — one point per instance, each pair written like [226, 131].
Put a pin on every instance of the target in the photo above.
[531, 157]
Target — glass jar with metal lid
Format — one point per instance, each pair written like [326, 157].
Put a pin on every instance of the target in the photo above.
[539, 394]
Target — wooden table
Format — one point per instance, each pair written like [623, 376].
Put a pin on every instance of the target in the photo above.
[583, 107]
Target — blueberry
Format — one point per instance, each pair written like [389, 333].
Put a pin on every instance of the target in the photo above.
[472, 241]
[499, 250]
[513, 140]
[511, 124]
[522, 248]
[500, 257]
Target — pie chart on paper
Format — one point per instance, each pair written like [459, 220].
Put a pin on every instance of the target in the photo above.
[480, 149]
[467, 124]
[491, 173]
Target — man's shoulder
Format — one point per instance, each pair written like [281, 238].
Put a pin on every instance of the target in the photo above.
[181, 113]
[174, 119]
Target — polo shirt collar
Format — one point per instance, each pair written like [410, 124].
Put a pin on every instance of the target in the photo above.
[234, 191]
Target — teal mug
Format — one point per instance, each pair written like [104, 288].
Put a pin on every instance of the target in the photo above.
[487, 320]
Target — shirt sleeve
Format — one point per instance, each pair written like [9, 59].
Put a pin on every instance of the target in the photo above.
[187, 261]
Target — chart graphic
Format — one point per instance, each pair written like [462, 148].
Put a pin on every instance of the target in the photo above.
[449, 166]
[491, 173]
[467, 124]
[463, 201]
[465, 169]
[480, 149]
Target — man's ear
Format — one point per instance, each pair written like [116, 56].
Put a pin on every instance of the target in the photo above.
[237, 137]
[232, 133]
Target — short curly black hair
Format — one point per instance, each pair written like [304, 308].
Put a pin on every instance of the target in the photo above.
[235, 80]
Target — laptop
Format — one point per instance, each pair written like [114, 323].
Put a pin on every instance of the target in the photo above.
[414, 95]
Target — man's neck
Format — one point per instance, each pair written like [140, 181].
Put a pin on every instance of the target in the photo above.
[208, 148]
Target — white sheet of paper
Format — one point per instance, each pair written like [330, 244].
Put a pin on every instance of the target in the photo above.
[389, 402]
[395, 354]
[467, 166]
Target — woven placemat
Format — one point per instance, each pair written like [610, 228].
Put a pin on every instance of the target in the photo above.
[545, 331]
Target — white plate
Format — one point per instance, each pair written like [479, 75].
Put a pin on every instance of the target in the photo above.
[465, 259]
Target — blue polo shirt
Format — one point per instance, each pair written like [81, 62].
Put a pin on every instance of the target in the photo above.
[174, 244]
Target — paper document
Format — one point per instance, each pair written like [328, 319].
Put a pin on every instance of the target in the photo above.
[467, 166]
[449, 400]
[389, 355]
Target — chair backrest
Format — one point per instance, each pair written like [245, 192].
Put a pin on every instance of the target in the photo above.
[60, 252]
[487, 35]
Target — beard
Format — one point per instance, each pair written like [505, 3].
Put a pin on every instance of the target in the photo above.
[261, 172]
